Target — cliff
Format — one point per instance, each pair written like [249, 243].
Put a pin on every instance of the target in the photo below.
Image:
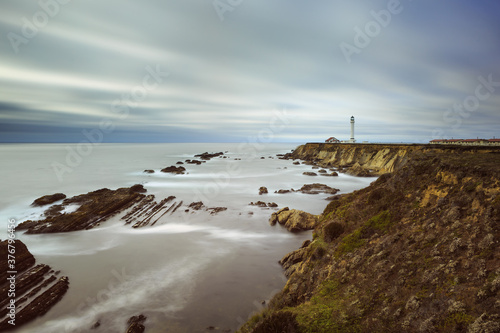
[371, 159]
[416, 251]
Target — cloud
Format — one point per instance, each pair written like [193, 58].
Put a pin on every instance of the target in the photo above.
[227, 78]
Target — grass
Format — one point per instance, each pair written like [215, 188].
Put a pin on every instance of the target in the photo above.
[326, 312]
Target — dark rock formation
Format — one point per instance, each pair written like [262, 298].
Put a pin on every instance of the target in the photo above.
[136, 324]
[282, 191]
[48, 199]
[264, 205]
[333, 174]
[263, 190]
[194, 162]
[179, 163]
[216, 210]
[149, 171]
[138, 188]
[308, 173]
[95, 207]
[207, 156]
[37, 288]
[175, 170]
[147, 208]
[196, 205]
[318, 188]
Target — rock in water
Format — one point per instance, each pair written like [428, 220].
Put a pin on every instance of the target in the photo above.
[95, 207]
[136, 324]
[263, 190]
[48, 199]
[318, 188]
[173, 169]
[36, 292]
[294, 220]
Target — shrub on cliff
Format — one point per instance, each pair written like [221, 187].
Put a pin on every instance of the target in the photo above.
[332, 231]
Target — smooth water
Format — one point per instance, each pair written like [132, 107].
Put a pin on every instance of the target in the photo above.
[189, 271]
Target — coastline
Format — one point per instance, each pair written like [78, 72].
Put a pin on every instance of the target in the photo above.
[417, 250]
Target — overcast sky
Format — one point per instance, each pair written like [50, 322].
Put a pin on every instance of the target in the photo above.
[228, 70]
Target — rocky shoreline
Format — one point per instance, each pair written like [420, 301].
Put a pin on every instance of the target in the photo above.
[416, 251]
[37, 287]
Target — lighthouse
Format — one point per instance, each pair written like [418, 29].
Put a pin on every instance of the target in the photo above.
[352, 140]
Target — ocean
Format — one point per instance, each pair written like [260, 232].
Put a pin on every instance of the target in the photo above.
[188, 272]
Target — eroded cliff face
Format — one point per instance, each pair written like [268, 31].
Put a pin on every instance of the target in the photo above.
[371, 159]
[416, 251]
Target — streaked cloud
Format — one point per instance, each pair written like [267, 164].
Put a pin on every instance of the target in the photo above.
[227, 78]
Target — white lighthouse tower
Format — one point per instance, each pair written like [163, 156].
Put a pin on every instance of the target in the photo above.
[352, 140]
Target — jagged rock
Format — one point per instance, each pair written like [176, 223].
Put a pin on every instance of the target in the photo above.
[333, 174]
[282, 191]
[263, 204]
[207, 156]
[294, 220]
[173, 169]
[36, 292]
[216, 210]
[138, 188]
[95, 207]
[196, 205]
[318, 188]
[48, 199]
[263, 190]
[149, 171]
[258, 203]
[136, 324]
[308, 173]
[194, 162]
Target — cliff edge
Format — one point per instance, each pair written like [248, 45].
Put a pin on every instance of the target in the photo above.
[416, 251]
[372, 159]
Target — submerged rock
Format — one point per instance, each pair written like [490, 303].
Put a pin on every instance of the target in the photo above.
[48, 199]
[196, 205]
[318, 188]
[173, 169]
[149, 171]
[207, 156]
[136, 324]
[308, 173]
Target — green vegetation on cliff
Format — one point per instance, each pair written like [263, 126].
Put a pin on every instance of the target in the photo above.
[416, 251]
